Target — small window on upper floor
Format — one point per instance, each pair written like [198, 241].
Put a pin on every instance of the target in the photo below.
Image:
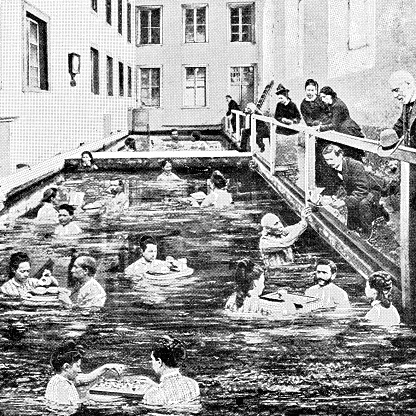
[129, 82]
[129, 22]
[195, 23]
[108, 11]
[36, 56]
[120, 79]
[242, 22]
[149, 25]
[110, 77]
[120, 16]
[95, 72]
[94, 5]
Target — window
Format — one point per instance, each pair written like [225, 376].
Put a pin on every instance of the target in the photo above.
[242, 84]
[120, 16]
[129, 81]
[294, 37]
[150, 86]
[195, 24]
[121, 79]
[129, 22]
[94, 5]
[36, 63]
[110, 83]
[149, 25]
[358, 24]
[95, 72]
[242, 23]
[195, 87]
[108, 11]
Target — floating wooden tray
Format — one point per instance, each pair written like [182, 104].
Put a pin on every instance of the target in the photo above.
[126, 387]
[303, 303]
[169, 276]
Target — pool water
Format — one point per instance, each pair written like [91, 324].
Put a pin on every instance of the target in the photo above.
[321, 363]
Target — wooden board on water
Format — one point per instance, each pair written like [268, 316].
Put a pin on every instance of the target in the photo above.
[169, 276]
[126, 387]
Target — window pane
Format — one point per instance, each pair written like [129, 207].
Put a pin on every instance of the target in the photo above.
[189, 97]
[200, 97]
[144, 19]
[156, 18]
[155, 77]
[189, 33]
[189, 16]
[234, 15]
[155, 35]
[34, 77]
[144, 36]
[33, 36]
[200, 34]
[34, 55]
[156, 97]
[144, 79]
[200, 15]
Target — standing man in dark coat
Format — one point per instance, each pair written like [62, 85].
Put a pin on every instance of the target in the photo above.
[358, 198]
[232, 105]
[403, 87]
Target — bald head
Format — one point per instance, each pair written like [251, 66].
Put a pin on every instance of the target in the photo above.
[403, 86]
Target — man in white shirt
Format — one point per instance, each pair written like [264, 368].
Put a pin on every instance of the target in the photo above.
[327, 292]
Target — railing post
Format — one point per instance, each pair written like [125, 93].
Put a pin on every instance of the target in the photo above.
[272, 155]
[253, 134]
[237, 128]
[309, 164]
[408, 239]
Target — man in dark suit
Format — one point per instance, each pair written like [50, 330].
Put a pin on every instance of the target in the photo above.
[359, 199]
[403, 87]
[232, 105]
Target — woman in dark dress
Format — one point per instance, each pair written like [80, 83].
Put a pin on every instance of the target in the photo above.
[340, 121]
[286, 111]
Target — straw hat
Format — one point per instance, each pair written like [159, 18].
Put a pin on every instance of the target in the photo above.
[388, 142]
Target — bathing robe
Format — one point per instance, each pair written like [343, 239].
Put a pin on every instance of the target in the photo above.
[90, 295]
[330, 296]
[60, 390]
[379, 315]
[219, 198]
[141, 266]
[277, 250]
[174, 388]
[47, 214]
[65, 230]
[13, 288]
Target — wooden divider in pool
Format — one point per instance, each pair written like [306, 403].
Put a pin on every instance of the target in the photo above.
[303, 303]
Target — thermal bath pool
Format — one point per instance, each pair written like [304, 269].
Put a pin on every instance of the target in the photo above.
[320, 363]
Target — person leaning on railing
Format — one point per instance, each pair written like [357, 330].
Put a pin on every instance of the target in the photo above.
[262, 130]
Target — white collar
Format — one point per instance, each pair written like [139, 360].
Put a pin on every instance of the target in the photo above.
[171, 373]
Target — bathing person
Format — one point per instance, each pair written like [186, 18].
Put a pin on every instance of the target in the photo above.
[87, 162]
[119, 200]
[174, 388]
[129, 145]
[378, 289]
[66, 225]
[167, 174]
[232, 105]
[286, 111]
[87, 292]
[325, 290]
[148, 261]
[340, 121]
[403, 87]
[19, 283]
[66, 362]
[174, 135]
[197, 142]
[47, 213]
[219, 197]
[249, 285]
[276, 240]
[362, 203]
[262, 129]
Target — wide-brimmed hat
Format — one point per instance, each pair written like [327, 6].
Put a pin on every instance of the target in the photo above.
[281, 89]
[388, 142]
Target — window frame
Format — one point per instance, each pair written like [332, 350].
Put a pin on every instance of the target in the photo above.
[195, 6]
[45, 19]
[239, 5]
[139, 10]
[129, 81]
[120, 17]
[128, 18]
[109, 12]
[94, 6]
[184, 104]
[110, 76]
[349, 17]
[140, 68]
[95, 82]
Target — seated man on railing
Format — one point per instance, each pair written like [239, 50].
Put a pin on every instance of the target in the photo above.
[262, 130]
[354, 191]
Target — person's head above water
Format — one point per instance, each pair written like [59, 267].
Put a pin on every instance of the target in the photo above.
[325, 271]
[271, 224]
[379, 287]
[166, 165]
[167, 353]
[116, 186]
[49, 195]
[65, 214]
[19, 266]
[218, 180]
[148, 247]
[247, 276]
[66, 360]
[86, 158]
[196, 135]
[174, 134]
[84, 268]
